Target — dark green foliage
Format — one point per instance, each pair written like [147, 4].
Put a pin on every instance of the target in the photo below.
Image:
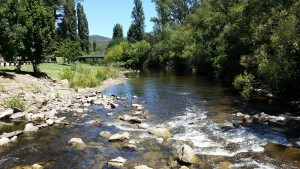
[27, 29]
[94, 46]
[68, 50]
[137, 28]
[117, 31]
[68, 26]
[12, 28]
[83, 29]
[254, 44]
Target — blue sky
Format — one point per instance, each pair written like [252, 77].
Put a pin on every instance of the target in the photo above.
[102, 15]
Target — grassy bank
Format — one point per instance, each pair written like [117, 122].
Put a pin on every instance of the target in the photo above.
[78, 74]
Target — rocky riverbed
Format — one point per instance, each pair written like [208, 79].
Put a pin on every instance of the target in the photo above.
[97, 128]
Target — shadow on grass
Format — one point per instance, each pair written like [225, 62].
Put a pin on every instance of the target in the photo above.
[5, 74]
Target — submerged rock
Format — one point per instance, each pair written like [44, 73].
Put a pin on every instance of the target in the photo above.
[142, 167]
[77, 142]
[117, 162]
[161, 132]
[130, 146]
[6, 113]
[119, 137]
[105, 134]
[30, 128]
[186, 155]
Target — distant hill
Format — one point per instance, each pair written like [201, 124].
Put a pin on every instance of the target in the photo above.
[99, 38]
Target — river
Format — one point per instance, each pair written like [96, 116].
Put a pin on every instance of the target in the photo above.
[198, 111]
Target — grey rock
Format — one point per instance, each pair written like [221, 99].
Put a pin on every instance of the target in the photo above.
[131, 119]
[4, 141]
[77, 142]
[11, 134]
[119, 137]
[6, 113]
[161, 132]
[186, 155]
[117, 162]
[142, 167]
[105, 134]
[18, 116]
[29, 127]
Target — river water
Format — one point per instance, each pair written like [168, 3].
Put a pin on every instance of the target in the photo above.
[198, 111]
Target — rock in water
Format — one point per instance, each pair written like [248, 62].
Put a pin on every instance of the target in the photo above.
[77, 142]
[161, 132]
[118, 162]
[183, 167]
[105, 134]
[142, 167]
[36, 166]
[119, 137]
[186, 155]
[6, 113]
[130, 119]
[11, 134]
[30, 128]
[4, 141]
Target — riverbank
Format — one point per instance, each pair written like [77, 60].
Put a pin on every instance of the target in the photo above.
[40, 102]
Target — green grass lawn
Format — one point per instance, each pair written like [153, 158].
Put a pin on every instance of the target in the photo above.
[78, 74]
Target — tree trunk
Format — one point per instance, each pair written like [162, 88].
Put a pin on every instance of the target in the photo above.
[36, 69]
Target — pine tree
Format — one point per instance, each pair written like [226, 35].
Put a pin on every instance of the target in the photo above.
[83, 29]
[137, 29]
[68, 26]
[117, 31]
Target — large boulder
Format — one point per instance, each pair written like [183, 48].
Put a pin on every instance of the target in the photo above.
[77, 143]
[6, 113]
[186, 155]
[142, 167]
[161, 132]
[119, 137]
[29, 127]
[117, 162]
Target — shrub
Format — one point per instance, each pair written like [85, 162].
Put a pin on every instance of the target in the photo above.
[15, 102]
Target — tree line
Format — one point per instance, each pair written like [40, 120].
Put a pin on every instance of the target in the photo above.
[252, 43]
[33, 30]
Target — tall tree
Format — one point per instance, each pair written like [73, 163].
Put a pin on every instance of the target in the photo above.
[138, 23]
[163, 18]
[12, 17]
[117, 31]
[83, 29]
[68, 26]
[39, 32]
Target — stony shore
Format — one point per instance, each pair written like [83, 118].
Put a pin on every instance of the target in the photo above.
[44, 99]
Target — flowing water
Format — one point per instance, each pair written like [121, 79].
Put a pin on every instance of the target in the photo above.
[198, 112]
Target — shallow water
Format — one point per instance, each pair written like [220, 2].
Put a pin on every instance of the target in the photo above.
[193, 108]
